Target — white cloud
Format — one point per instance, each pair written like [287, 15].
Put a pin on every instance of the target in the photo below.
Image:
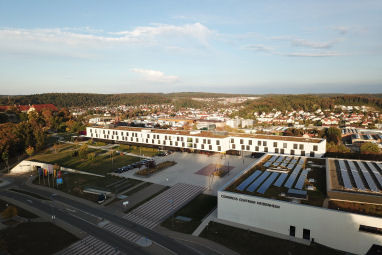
[312, 44]
[155, 76]
[314, 54]
[259, 47]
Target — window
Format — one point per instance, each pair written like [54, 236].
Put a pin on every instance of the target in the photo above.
[176, 143]
[312, 153]
[275, 144]
[204, 141]
[301, 147]
[250, 142]
[182, 138]
[315, 148]
[178, 138]
[257, 148]
[285, 145]
[291, 152]
[264, 143]
[202, 146]
[292, 231]
[210, 147]
[147, 140]
[219, 148]
[183, 145]
[195, 145]
[369, 229]
[217, 142]
[281, 151]
[306, 234]
[277, 150]
[265, 149]
[233, 146]
[248, 148]
[241, 141]
[295, 146]
[197, 140]
[165, 137]
[302, 153]
[243, 147]
[148, 136]
[259, 143]
[232, 140]
[209, 141]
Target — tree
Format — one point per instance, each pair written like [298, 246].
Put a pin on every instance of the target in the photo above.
[333, 134]
[83, 150]
[4, 157]
[369, 148]
[29, 151]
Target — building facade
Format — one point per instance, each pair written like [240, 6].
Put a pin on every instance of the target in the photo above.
[212, 141]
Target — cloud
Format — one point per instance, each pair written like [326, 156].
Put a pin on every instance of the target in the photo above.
[314, 54]
[155, 76]
[341, 29]
[64, 39]
[259, 47]
[312, 44]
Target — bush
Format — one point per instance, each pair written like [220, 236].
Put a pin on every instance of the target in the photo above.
[369, 148]
[9, 212]
[91, 156]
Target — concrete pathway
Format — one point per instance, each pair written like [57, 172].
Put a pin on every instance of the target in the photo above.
[213, 215]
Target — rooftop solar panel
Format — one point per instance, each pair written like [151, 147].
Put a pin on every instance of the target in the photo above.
[301, 179]
[376, 173]
[281, 179]
[263, 188]
[247, 181]
[368, 178]
[345, 175]
[297, 192]
[356, 176]
[292, 177]
[258, 181]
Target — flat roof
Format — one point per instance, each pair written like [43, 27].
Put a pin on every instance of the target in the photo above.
[217, 135]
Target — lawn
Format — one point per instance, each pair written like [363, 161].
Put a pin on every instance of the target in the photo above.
[101, 164]
[248, 242]
[196, 210]
[20, 211]
[138, 150]
[74, 184]
[35, 238]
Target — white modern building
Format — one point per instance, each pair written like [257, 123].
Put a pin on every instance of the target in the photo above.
[211, 141]
[353, 232]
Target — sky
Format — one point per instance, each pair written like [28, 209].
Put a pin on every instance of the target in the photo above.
[228, 46]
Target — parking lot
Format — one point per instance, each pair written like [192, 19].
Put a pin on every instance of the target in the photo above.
[191, 168]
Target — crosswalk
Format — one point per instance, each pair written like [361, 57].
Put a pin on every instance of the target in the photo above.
[148, 215]
[162, 206]
[89, 246]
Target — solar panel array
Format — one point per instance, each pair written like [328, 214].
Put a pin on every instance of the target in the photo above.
[368, 178]
[280, 180]
[278, 161]
[285, 162]
[247, 181]
[263, 188]
[258, 181]
[301, 179]
[356, 177]
[297, 192]
[292, 164]
[345, 175]
[293, 176]
[270, 161]
[376, 173]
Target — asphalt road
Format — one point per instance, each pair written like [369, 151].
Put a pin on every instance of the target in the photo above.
[104, 235]
[160, 239]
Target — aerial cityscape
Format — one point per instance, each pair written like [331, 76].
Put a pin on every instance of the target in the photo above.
[177, 127]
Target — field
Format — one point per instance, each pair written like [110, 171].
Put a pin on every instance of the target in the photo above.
[35, 238]
[196, 210]
[247, 242]
[102, 163]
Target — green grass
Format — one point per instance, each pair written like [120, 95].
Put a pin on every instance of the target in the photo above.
[247, 242]
[102, 163]
[138, 150]
[35, 238]
[20, 211]
[100, 144]
[197, 209]
[135, 190]
[74, 184]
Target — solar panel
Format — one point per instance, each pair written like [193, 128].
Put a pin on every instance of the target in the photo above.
[356, 177]
[301, 179]
[247, 181]
[368, 178]
[263, 188]
[301, 162]
[376, 173]
[345, 175]
[270, 161]
[293, 176]
[278, 161]
[297, 192]
[258, 181]
[281, 179]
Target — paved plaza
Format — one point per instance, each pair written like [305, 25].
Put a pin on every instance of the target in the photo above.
[189, 168]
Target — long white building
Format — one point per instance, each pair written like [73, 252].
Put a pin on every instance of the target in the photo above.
[212, 141]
